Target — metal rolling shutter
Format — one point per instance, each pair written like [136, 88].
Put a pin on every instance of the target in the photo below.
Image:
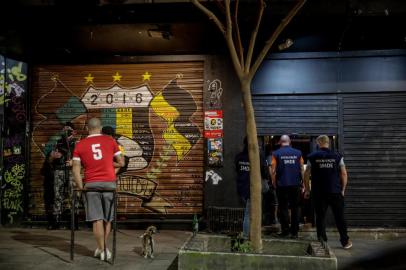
[296, 114]
[168, 130]
[374, 146]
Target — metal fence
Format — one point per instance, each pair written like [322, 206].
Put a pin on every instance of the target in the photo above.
[225, 219]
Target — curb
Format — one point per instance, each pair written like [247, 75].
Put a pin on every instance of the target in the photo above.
[360, 233]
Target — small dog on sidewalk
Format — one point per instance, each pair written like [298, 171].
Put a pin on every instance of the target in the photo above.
[148, 242]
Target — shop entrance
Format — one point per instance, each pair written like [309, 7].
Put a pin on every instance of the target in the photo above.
[306, 144]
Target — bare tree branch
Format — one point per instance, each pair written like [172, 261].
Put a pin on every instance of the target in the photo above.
[254, 37]
[245, 74]
[221, 6]
[230, 41]
[274, 36]
[238, 35]
[211, 16]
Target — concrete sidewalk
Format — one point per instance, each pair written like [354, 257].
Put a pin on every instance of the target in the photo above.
[43, 249]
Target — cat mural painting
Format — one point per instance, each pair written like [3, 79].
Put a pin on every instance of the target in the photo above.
[99, 155]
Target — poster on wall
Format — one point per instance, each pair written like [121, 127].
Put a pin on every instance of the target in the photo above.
[215, 152]
[213, 124]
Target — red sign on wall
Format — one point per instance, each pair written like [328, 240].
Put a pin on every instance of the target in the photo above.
[213, 124]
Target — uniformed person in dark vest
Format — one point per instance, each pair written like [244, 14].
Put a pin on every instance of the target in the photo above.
[287, 175]
[329, 180]
[242, 166]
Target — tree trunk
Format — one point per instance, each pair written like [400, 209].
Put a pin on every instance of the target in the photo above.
[255, 172]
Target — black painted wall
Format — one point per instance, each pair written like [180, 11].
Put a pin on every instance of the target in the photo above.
[333, 72]
[14, 141]
[225, 193]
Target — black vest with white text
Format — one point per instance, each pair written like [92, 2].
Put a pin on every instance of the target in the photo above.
[288, 171]
[325, 170]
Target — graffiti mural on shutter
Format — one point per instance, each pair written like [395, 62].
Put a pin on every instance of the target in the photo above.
[14, 83]
[156, 111]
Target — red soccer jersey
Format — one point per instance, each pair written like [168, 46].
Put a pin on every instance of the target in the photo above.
[96, 153]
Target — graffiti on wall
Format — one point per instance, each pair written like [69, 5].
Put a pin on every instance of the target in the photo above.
[13, 148]
[14, 81]
[12, 195]
[2, 80]
[155, 128]
[181, 133]
[214, 93]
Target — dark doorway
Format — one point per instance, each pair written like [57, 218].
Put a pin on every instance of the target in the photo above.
[306, 144]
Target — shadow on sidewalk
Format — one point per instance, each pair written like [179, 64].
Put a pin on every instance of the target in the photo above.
[44, 241]
[390, 257]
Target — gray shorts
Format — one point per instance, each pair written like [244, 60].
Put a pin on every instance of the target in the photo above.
[99, 205]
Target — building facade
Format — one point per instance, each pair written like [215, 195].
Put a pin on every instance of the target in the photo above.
[169, 90]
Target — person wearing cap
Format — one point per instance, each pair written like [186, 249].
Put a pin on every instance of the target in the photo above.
[109, 131]
[61, 164]
[329, 181]
[287, 174]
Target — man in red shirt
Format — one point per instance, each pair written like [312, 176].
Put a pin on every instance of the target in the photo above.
[99, 155]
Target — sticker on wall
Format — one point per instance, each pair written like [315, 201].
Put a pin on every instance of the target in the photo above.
[215, 152]
[213, 176]
[214, 94]
[213, 124]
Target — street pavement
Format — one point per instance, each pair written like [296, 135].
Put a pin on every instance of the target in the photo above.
[22, 248]
[43, 249]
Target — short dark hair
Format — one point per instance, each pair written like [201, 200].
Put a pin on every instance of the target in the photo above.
[108, 130]
[69, 124]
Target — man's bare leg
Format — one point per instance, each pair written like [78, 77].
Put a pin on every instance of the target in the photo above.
[98, 231]
[107, 232]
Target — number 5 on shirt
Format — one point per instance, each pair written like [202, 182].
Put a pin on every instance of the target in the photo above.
[97, 153]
